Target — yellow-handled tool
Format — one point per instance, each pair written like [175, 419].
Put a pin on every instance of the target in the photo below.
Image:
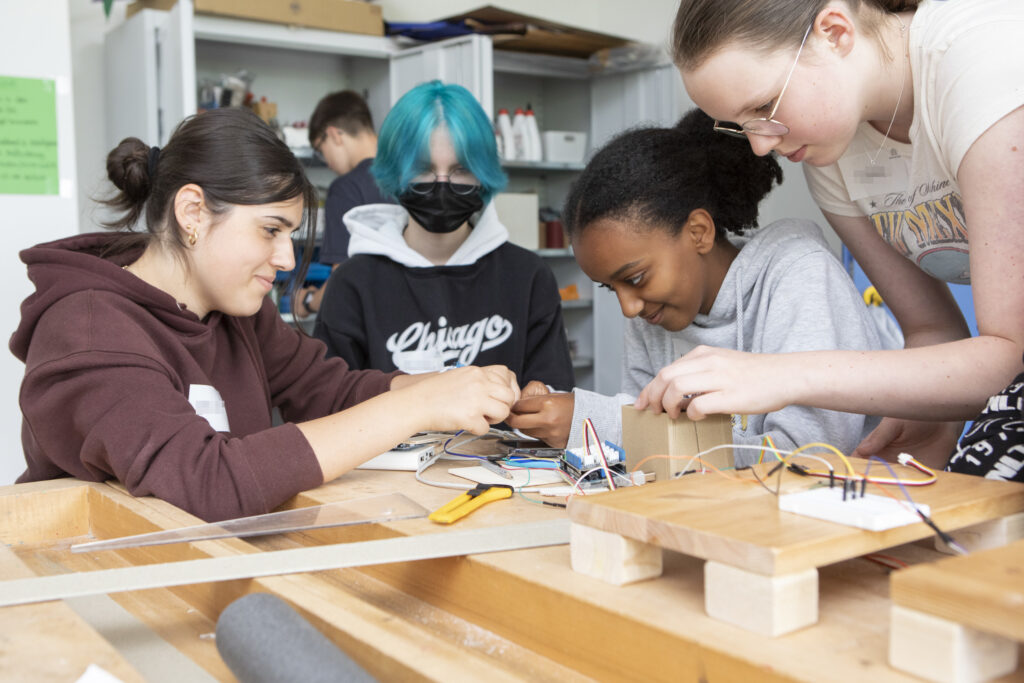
[476, 497]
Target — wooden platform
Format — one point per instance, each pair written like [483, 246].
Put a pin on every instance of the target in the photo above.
[960, 618]
[762, 562]
[522, 615]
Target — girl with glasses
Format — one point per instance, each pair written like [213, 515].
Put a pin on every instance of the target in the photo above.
[656, 218]
[909, 120]
[433, 282]
[156, 358]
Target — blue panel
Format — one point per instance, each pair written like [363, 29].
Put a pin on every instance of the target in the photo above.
[962, 293]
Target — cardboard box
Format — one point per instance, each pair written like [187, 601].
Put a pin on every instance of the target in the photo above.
[333, 15]
[518, 211]
[645, 433]
[524, 33]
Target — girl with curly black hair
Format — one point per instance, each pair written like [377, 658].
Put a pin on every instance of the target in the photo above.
[656, 217]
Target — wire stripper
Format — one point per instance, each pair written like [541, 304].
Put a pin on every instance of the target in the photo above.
[459, 507]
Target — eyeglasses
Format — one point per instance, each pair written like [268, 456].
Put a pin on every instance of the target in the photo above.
[461, 181]
[765, 125]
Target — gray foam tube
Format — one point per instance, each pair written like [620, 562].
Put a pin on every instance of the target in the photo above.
[263, 640]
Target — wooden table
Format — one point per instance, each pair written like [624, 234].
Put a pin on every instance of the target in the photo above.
[961, 618]
[522, 615]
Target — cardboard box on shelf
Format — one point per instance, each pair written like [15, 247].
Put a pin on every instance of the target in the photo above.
[524, 33]
[333, 15]
[518, 212]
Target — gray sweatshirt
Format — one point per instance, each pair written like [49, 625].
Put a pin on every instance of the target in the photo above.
[784, 292]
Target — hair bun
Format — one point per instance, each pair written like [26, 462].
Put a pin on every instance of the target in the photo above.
[128, 168]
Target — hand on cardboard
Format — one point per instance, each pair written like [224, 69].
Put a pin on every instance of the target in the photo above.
[470, 398]
[711, 380]
[543, 415]
[930, 442]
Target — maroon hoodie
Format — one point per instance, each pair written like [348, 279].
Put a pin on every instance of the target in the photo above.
[110, 364]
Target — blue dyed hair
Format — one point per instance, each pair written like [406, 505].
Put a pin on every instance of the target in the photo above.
[403, 147]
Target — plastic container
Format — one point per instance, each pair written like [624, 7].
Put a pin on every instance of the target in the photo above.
[564, 146]
[504, 126]
[519, 136]
[534, 150]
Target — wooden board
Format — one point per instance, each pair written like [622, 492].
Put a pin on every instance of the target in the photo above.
[735, 521]
[983, 590]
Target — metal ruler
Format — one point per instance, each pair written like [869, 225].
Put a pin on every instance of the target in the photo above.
[294, 561]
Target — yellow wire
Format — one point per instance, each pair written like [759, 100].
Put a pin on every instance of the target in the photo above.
[829, 447]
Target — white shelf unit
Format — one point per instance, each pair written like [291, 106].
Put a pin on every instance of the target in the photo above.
[155, 61]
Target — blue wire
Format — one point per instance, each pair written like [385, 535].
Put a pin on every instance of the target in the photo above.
[461, 455]
[538, 464]
[875, 458]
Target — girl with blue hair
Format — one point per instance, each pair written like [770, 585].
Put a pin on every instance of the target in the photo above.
[433, 282]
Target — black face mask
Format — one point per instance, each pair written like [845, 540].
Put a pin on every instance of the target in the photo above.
[441, 210]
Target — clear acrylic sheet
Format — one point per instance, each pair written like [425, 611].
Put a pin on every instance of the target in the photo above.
[375, 509]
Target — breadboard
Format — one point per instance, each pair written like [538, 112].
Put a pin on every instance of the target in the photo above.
[871, 512]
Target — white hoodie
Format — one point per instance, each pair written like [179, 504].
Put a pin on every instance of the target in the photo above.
[378, 228]
[784, 292]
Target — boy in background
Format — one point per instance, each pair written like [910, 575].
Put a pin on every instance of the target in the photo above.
[341, 133]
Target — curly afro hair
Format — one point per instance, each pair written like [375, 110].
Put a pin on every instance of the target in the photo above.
[655, 177]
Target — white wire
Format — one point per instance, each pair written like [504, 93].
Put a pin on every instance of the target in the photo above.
[462, 487]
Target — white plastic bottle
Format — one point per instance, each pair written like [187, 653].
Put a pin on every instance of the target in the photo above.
[534, 150]
[508, 150]
[520, 142]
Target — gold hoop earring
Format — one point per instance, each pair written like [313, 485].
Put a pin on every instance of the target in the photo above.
[193, 236]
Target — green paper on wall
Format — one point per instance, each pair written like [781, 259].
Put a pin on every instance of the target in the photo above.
[28, 136]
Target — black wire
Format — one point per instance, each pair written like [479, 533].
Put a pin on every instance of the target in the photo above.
[761, 482]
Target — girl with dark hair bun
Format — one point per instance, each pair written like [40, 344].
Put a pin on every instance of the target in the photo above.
[653, 218]
[908, 119]
[156, 357]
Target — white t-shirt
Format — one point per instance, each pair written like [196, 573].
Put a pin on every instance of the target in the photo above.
[967, 60]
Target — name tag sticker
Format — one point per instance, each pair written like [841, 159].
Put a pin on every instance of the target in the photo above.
[208, 404]
[889, 173]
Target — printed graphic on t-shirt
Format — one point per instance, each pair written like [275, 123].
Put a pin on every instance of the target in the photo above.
[925, 222]
[459, 345]
[994, 446]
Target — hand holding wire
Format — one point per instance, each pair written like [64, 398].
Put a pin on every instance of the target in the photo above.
[545, 416]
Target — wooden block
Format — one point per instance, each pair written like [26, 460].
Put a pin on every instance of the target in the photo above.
[941, 650]
[983, 590]
[992, 534]
[645, 434]
[612, 558]
[769, 605]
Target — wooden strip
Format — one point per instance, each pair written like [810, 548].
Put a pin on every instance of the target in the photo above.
[51, 642]
[154, 657]
[299, 560]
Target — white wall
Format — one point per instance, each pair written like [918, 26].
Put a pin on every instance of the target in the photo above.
[35, 42]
